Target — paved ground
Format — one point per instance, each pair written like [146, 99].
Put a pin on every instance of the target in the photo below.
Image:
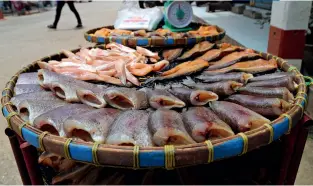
[25, 39]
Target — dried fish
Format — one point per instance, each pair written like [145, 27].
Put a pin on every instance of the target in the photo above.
[27, 78]
[198, 49]
[172, 54]
[240, 77]
[272, 76]
[278, 82]
[27, 88]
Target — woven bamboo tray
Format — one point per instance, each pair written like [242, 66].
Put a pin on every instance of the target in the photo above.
[168, 157]
[152, 42]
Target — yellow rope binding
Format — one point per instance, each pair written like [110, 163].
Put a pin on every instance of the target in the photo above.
[136, 157]
[169, 157]
[210, 151]
[290, 69]
[270, 128]
[9, 90]
[282, 63]
[12, 81]
[303, 99]
[9, 118]
[66, 148]
[20, 127]
[289, 122]
[94, 153]
[40, 139]
[6, 104]
[301, 92]
[245, 143]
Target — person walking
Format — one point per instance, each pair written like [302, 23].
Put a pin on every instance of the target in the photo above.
[60, 5]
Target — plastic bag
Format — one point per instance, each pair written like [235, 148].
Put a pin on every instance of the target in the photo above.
[131, 17]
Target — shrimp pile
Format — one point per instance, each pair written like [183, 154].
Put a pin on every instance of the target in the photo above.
[117, 64]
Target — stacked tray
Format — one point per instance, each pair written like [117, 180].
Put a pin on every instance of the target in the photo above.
[169, 156]
[154, 41]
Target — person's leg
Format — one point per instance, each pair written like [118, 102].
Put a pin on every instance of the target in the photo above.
[73, 9]
[60, 5]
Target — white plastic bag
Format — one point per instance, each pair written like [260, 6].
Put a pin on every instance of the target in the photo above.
[131, 17]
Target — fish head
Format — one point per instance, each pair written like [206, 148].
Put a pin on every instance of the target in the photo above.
[59, 90]
[202, 97]
[246, 77]
[236, 85]
[90, 98]
[166, 102]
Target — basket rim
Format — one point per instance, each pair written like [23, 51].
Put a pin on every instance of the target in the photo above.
[144, 41]
[147, 157]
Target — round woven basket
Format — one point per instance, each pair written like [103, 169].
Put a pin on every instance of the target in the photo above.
[152, 42]
[168, 157]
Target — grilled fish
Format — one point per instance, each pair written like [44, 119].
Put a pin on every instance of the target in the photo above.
[124, 98]
[193, 97]
[171, 54]
[203, 124]
[159, 98]
[31, 109]
[272, 76]
[278, 92]
[222, 88]
[240, 77]
[255, 66]
[42, 96]
[238, 117]
[27, 78]
[27, 88]
[278, 82]
[198, 49]
[53, 120]
[232, 58]
[261, 105]
[167, 127]
[131, 128]
[92, 125]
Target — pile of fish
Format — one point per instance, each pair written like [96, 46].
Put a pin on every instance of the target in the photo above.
[201, 32]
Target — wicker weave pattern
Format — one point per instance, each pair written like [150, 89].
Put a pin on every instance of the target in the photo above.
[151, 42]
[149, 157]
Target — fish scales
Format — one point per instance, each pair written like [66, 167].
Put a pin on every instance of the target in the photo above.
[27, 88]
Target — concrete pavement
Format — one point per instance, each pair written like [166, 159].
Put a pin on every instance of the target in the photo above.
[25, 39]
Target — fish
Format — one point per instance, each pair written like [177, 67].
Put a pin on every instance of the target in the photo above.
[232, 58]
[64, 87]
[222, 88]
[42, 96]
[27, 78]
[167, 128]
[239, 118]
[198, 49]
[278, 82]
[277, 92]
[172, 54]
[261, 105]
[126, 98]
[140, 69]
[147, 52]
[72, 176]
[272, 76]
[53, 120]
[159, 98]
[211, 55]
[240, 77]
[193, 97]
[58, 163]
[202, 124]
[130, 128]
[93, 125]
[27, 88]
[93, 97]
[29, 110]
[158, 66]
[253, 67]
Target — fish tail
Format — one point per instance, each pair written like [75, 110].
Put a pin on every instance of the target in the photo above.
[246, 77]
[235, 85]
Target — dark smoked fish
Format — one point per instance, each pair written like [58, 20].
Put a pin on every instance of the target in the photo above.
[278, 82]
[198, 49]
[167, 128]
[272, 76]
[278, 92]
[240, 77]
[193, 97]
[130, 128]
[203, 124]
[172, 54]
[126, 98]
[240, 119]
[222, 88]
[27, 88]
[91, 125]
[261, 105]
[53, 120]
[159, 98]
[27, 78]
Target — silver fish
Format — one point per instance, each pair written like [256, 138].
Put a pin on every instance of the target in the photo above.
[30, 109]
[240, 77]
[27, 78]
[53, 120]
[91, 125]
[131, 128]
[272, 76]
[42, 96]
[278, 82]
[27, 88]
[93, 97]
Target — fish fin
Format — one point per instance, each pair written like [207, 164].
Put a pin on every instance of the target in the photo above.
[188, 81]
